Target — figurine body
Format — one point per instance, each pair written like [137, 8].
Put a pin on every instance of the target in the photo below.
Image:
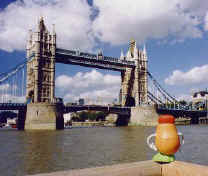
[166, 139]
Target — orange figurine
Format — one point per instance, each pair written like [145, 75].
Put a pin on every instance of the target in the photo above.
[166, 139]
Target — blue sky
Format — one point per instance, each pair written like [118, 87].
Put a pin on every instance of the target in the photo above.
[175, 34]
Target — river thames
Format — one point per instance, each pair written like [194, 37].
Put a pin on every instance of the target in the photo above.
[47, 151]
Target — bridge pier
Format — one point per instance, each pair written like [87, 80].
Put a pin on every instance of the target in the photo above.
[122, 120]
[194, 119]
[21, 119]
[144, 115]
[44, 116]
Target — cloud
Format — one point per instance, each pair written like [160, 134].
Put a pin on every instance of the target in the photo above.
[206, 22]
[195, 75]
[79, 25]
[118, 21]
[185, 97]
[90, 85]
[72, 20]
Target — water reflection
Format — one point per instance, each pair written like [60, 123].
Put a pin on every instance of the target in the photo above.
[41, 149]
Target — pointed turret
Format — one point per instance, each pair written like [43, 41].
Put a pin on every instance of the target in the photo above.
[53, 30]
[53, 35]
[144, 50]
[41, 25]
[144, 56]
[122, 55]
[132, 45]
[135, 52]
[128, 55]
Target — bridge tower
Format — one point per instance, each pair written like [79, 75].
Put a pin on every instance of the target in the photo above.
[134, 81]
[41, 66]
[42, 112]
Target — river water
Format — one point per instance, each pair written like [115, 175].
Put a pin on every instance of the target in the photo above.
[23, 152]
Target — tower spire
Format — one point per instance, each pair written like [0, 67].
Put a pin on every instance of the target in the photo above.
[135, 51]
[128, 55]
[132, 45]
[41, 25]
[122, 55]
[144, 50]
[144, 53]
[54, 31]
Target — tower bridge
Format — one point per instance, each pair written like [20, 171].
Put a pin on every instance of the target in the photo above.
[44, 111]
[41, 68]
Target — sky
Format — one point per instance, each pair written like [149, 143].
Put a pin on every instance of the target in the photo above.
[175, 34]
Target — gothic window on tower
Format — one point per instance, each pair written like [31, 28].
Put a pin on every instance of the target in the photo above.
[43, 63]
[45, 46]
[46, 78]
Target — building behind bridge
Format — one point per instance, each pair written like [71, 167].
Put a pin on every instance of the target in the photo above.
[200, 98]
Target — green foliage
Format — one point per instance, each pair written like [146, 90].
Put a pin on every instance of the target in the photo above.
[83, 116]
[101, 116]
[89, 115]
[183, 102]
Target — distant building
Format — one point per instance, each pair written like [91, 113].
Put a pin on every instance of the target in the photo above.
[81, 101]
[67, 117]
[11, 121]
[200, 96]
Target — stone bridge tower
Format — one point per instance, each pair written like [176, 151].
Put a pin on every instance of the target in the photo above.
[134, 80]
[42, 112]
[41, 49]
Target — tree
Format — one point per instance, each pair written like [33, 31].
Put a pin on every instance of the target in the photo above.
[89, 115]
[183, 102]
[83, 116]
[100, 116]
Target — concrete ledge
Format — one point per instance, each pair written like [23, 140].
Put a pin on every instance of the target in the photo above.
[144, 168]
[179, 168]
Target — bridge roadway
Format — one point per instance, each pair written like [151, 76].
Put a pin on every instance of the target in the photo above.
[72, 108]
[92, 60]
[13, 106]
[109, 109]
[187, 113]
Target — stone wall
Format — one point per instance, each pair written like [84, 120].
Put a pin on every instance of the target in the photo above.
[111, 118]
[143, 115]
[44, 116]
